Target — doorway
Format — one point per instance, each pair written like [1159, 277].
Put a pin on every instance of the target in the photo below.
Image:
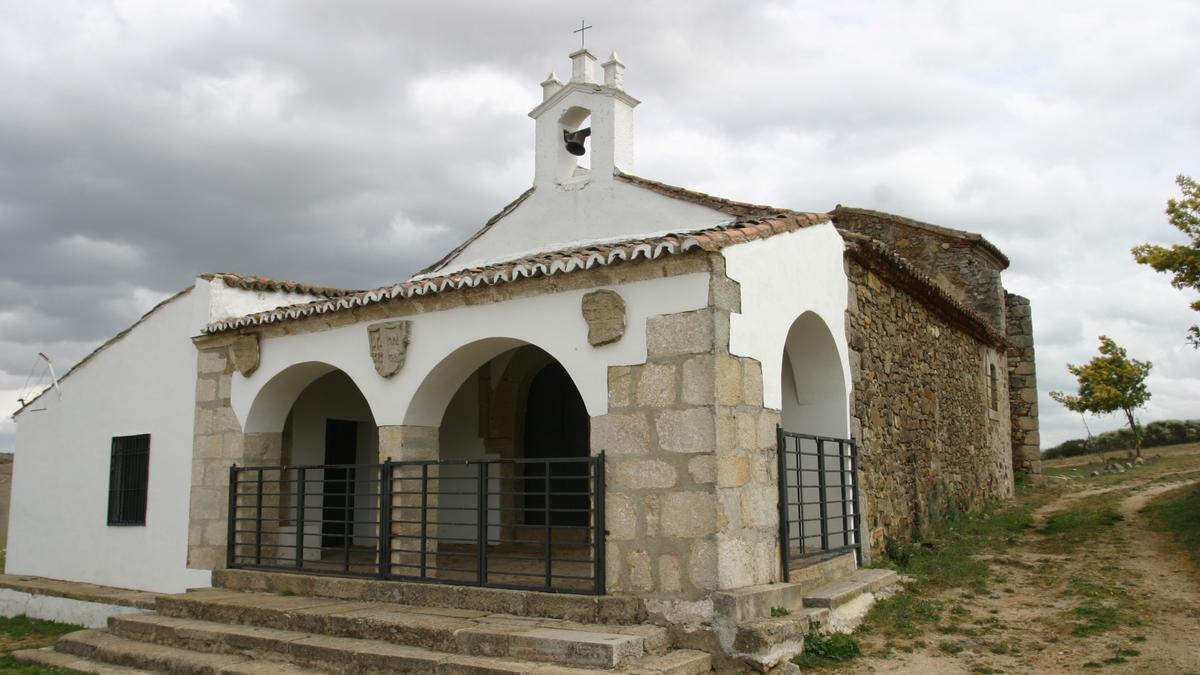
[337, 512]
[557, 425]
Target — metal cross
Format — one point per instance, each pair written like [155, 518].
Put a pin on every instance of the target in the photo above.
[582, 33]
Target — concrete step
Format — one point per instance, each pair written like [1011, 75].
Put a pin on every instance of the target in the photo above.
[835, 595]
[607, 609]
[441, 629]
[756, 602]
[49, 658]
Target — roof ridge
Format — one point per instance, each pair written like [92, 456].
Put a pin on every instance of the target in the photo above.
[730, 206]
[109, 342]
[445, 260]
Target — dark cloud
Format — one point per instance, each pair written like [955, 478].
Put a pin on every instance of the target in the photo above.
[349, 144]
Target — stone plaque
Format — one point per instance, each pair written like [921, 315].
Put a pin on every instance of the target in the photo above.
[389, 341]
[243, 352]
[604, 312]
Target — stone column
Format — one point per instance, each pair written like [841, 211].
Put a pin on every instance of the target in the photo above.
[1022, 386]
[401, 443]
[218, 443]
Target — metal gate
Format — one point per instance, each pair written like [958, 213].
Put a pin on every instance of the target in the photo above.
[818, 497]
[533, 524]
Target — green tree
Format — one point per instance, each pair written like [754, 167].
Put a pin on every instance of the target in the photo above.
[1108, 383]
[1181, 260]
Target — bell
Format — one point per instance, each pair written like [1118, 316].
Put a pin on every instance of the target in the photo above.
[574, 140]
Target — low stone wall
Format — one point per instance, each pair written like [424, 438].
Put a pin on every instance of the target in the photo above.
[1022, 386]
[933, 429]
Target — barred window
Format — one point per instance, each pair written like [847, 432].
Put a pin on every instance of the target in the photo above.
[129, 473]
[993, 387]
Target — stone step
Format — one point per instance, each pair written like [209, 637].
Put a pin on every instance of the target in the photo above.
[436, 628]
[607, 609]
[46, 656]
[105, 648]
[556, 645]
[839, 593]
[309, 654]
[764, 635]
[756, 602]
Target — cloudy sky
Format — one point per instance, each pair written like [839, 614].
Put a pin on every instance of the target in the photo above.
[351, 143]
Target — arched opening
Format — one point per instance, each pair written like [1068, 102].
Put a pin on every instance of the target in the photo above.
[813, 386]
[314, 505]
[515, 470]
[818, 479]
[571, 165]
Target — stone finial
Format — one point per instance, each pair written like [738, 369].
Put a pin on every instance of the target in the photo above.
[551, 85]
[614, 72]
[583, 66]
[604, 312]
[243, 352]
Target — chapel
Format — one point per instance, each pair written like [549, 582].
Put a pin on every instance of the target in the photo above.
[683, 409]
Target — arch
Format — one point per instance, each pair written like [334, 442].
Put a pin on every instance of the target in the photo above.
[428, 403]
[273, 402]
[814, 392]
[572, 119]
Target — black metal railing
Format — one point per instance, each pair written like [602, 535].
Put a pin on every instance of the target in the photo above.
[818, 497]
[503, 523]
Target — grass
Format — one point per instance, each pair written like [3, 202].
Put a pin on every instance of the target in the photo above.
[821, 650]
[21, 632]
[1082, 523]
[1177, 513]
[947, 559]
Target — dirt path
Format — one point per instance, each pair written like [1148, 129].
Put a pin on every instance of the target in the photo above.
[1173, 598]
[1025, 622]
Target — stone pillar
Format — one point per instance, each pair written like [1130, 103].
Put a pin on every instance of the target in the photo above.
[401, 443]
[218, 443]
[1022, 386]
[691, 486]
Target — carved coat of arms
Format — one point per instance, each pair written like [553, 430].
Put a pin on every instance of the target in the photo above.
[389, 341]
[243, 351]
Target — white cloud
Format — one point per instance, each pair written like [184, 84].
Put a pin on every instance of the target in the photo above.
[352, 145]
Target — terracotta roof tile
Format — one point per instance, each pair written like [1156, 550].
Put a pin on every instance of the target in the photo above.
[260, 283]
[542, 264]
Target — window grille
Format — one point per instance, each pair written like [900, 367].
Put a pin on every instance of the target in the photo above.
[129, 473]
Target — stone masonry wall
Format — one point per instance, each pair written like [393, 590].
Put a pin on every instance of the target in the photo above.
[930, 442]
[691, 492]
[1022, 386]
[961, 264]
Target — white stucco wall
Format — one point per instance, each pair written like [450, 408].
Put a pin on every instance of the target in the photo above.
[782, 278]
[144, 383]
[227, 303]
[473, 334]
[590, 210]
